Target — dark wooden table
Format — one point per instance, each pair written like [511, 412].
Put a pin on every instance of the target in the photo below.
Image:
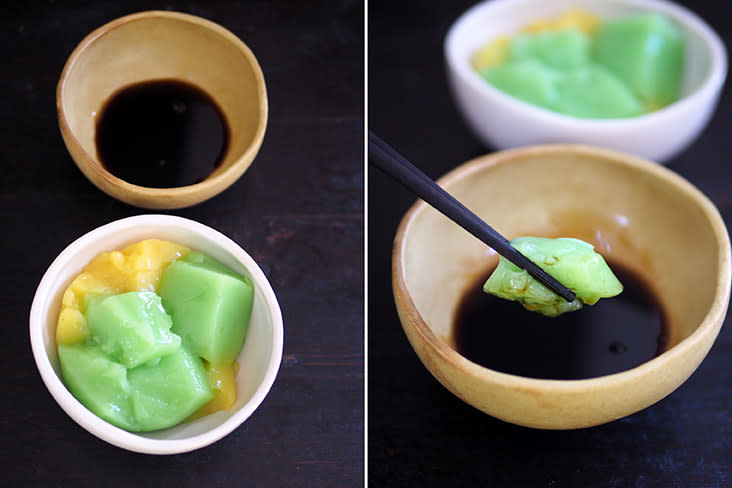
[298, 211]
[419, 433]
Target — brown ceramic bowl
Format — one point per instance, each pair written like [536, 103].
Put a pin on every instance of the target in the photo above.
[162, 45]
[635, 212]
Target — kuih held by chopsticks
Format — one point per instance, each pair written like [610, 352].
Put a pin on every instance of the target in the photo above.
[394, 164]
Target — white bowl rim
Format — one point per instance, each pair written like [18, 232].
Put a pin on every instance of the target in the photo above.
[710, 324]
[115, 435]
[706, 90]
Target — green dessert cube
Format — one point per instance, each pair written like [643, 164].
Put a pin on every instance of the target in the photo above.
[645, 51]
[210, 307]
[528, 80]
[204, 260]
[563, 49]
[573, 262]
[132, 328]
[167, 393]
[98, 382]
[593, 92]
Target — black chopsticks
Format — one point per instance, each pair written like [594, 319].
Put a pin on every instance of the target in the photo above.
[394, 164]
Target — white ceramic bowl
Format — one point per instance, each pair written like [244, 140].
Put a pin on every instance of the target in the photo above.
[259, 359]
[502, 122]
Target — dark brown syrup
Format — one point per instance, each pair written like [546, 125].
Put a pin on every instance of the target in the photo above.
[161, 134]
[615, 334]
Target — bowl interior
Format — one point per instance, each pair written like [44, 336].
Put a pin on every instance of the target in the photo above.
[165, 45]
[506, 17]
[258, 360]
[654, 225]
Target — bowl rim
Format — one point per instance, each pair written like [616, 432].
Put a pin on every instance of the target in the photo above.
[706, 90]
[711, 324]
[106, 431]
[156, 197]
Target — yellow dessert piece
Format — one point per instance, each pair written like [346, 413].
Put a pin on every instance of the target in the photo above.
[493, 54]
[137, 267]
[222, 378]
[72, 328]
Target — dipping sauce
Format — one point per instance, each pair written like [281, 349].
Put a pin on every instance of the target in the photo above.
[613, 335]
[161, 134]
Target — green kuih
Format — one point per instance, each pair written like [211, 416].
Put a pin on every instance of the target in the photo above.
[564, 49]
[148, 397]
[98, 382]
[167, 393]
[528, 80]
[210, 306]
[132, 328]
[645, 51]
[571, 261]
[592, 92]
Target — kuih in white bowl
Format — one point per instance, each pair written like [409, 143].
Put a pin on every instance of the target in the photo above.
[501, 121]
[259, 359]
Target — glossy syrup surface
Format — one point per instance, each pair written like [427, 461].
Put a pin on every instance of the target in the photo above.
[615, 334]
[161, 134]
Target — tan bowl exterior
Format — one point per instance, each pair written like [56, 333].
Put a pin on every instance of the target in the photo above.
[638, 212]
[162, 45]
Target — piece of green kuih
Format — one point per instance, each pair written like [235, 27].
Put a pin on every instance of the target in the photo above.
[148, 397]
[564, 49]
[167, 393]
[593, 92]
[98, 382]
[210, 306]
[131, 327]
[573, 262]
[589, 91]
[645, 51]
[528, 80]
